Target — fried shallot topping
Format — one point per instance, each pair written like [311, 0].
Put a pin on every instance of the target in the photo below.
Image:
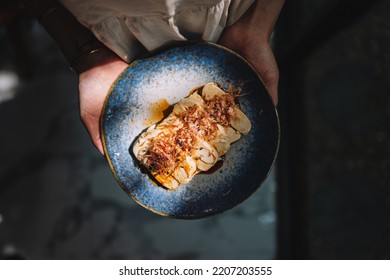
[168, 149]
[221, 109]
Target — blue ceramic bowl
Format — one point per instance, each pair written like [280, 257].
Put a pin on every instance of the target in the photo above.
[167, 77]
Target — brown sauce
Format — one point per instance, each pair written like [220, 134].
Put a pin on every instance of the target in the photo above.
[167, 111]
[157, 111]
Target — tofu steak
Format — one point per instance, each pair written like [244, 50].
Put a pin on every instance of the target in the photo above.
[198, 131]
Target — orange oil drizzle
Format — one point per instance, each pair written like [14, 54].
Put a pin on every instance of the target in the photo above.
[156, 111]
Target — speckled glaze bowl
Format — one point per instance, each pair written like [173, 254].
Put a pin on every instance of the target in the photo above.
[168, 76]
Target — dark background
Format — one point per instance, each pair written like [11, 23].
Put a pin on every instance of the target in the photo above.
[329, 194]
[334, 168]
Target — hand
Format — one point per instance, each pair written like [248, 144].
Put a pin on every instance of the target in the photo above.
[94, 85]
[257, 51]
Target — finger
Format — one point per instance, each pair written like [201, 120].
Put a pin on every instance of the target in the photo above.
[96, 139]
[91, 123]
[98, 144]
[273, 92]
[270, 80]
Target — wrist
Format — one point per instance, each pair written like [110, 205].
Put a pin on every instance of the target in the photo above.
[259, 20]
[92, 58]
[104, 72]
[239, 38]
[245, 32]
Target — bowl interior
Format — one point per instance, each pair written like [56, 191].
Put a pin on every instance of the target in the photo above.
[166, 78]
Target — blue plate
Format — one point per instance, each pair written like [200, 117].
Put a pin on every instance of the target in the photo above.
[167, 77]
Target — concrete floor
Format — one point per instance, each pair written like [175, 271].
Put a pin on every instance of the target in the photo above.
[58, 198]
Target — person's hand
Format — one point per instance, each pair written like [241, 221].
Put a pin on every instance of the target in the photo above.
[94, 85]
[257, 51]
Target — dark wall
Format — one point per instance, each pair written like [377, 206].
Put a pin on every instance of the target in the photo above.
[334, 196]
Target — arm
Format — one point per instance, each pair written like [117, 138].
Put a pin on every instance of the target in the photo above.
[96, 66]
[250, 37]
